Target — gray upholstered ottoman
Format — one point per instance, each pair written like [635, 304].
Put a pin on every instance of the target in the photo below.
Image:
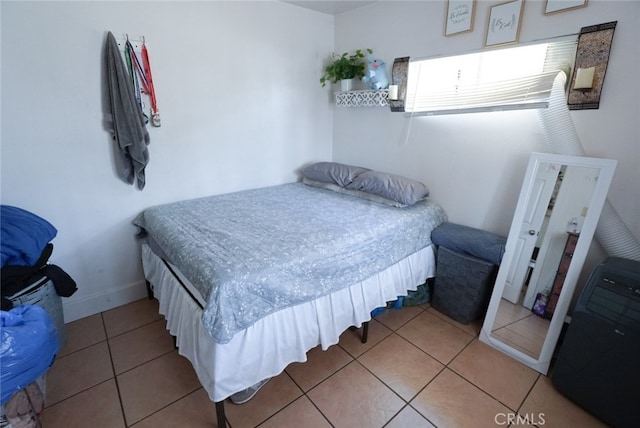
[466, 266]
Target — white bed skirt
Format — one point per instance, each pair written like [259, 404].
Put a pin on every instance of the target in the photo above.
[266, 348]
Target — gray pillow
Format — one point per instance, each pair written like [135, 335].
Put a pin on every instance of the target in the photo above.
[356, 193]
[390, 186]
[333, 172]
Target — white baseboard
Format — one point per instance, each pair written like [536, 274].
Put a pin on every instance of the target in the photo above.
[103, 301]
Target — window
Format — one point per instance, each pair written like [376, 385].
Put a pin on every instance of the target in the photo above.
[504, 79]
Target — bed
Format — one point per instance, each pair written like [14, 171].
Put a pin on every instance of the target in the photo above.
[250, 281]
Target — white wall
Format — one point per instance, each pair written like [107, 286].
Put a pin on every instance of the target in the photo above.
[241, 106]
[474, 163]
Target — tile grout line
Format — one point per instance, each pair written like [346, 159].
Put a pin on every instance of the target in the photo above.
[175, 349]
[408, 402]
[48, 405]
[535, 382]
[169, 404]
[304, 394]
[57, 403]
[113, 370]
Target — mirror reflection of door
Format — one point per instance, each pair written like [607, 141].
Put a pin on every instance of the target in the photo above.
[560, 195]
[572, 202]
[537, 207]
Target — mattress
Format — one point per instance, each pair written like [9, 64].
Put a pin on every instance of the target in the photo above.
[253, 253]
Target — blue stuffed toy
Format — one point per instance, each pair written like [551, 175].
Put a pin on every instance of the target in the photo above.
[376, 74]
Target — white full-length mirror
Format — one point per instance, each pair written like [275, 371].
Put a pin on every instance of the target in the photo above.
[554, 222]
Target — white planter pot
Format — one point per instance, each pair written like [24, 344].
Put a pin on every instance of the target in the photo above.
[346, 85]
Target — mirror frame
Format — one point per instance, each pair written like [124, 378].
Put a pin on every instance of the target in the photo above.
[607, 168]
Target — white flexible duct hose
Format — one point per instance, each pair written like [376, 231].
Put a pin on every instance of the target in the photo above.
[560, 133]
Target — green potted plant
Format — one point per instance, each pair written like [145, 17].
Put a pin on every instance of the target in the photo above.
[344, 68]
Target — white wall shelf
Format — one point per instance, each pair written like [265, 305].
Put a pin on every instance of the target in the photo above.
[364, 98]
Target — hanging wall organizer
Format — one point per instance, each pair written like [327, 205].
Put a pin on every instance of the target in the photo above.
[136, 55]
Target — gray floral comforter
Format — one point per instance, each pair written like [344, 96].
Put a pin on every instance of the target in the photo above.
[255, 252]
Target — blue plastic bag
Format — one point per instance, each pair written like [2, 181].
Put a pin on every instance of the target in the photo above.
[29, 347]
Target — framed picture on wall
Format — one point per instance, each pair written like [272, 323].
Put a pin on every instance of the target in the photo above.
[554, 6]
[504, 23]
[460, 15]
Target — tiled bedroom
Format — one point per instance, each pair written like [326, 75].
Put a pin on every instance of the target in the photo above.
[419, 368]
[245, 110]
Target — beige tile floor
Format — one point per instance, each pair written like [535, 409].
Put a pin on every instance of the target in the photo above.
[419, 369]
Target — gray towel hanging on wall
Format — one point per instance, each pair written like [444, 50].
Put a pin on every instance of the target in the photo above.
[127, 121]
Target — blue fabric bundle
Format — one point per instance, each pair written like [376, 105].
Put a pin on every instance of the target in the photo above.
[23, 236]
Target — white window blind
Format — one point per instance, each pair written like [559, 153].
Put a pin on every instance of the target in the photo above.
[504, 79]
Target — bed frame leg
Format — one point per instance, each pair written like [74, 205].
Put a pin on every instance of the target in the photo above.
[365, 331]
[222, 423]
[149, 290]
